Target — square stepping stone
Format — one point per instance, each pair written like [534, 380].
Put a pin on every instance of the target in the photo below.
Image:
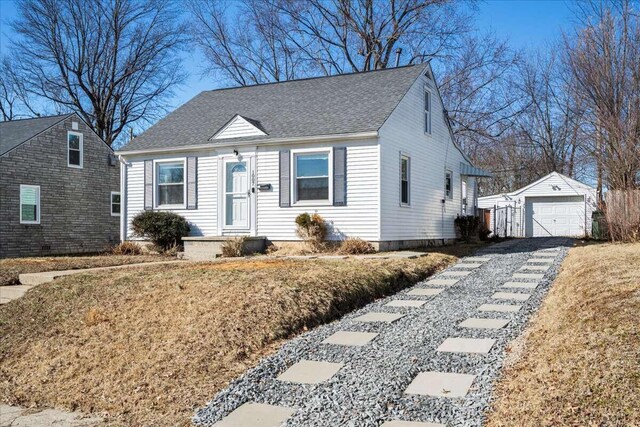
[540, 260]
[375, 316]
[535, 267]
[510, 295]
[440, 384]
[455, 273]
[546, 254]
[350, 338]
[535, 276]
[310, 372]
[500, 308]
[521, 285]
[477, 323]
[405, 303]
[466, 345]
[401, 423]
[424, 291]
[256, 414]
[442, 282]
[477, 259]
[468, 265]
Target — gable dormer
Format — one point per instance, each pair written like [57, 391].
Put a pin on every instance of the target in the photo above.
[240, 127]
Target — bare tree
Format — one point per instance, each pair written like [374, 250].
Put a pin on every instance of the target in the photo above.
[604, 60]
[114, 62]
[14, 99]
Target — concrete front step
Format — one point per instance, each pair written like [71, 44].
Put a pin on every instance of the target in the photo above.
[207, 248]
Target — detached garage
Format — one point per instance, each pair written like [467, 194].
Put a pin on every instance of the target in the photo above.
[555, 205]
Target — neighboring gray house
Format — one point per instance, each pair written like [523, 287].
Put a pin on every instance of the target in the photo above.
[371, 152]
[59, 188]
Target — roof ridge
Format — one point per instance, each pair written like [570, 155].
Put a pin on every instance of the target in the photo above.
[353, 73]
[36, 118]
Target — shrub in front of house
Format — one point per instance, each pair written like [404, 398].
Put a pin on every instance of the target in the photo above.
[356, 246]
[127, 248]
[312, 229]
[164, 229]
[234, 247]
[467, 227]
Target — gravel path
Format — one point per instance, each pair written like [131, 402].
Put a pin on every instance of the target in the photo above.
[369, 388]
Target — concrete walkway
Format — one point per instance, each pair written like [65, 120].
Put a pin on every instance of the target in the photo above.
[29, 280]
[427, 356]
[13, 416]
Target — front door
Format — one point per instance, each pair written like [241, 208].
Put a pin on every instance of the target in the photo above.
[236, 195]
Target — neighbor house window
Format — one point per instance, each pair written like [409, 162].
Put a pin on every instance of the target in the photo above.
[448, 184]
[311, 171]
[74, 150]
[405, 166]
[29, 204]
[464, 195]
[115, 203]
[427, 111]
[170, 183]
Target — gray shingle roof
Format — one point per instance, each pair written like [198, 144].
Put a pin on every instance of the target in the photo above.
[15, 132]
[339, 104]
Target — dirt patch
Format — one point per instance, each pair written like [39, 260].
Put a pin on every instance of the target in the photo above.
[581, 360]
[11, 268]
[147, 346]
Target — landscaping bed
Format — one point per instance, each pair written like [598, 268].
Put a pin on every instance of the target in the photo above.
[11, 268]
[147, 346]
[579, 361]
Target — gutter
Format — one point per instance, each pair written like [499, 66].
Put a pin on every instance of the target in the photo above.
[264, 142]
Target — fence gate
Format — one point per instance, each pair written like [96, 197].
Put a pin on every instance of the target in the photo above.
[507, 221]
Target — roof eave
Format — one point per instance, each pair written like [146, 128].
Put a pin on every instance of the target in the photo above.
[261, 142]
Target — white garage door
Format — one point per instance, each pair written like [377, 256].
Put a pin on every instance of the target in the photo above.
[555, 216]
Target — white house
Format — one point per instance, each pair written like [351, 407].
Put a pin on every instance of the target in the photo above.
[555, 205]
[371, 152]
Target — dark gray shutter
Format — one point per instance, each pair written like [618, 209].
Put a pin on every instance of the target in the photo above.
[148, 184]
[340, 176]
[192, 182]
[285, 179]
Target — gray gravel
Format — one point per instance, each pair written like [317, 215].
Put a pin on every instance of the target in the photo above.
[369, 389]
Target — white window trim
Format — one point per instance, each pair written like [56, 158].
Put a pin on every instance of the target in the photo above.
[450, 195]
[404, 156]
[156, 164]
[294, 196]
[429, 113]
[37, 187]
[464, 191]
[81, 137]
[111, 203]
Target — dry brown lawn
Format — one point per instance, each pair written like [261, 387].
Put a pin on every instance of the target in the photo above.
[11, 268]
[580, 361]
[147, 346]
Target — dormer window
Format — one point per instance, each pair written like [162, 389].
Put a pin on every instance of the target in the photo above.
[427, 111]
[74, 150]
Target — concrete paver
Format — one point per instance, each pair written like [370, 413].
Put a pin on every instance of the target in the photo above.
[521, 285]
[441, 384]
[466, 345]
[350, 338]
[500, 308]
[405, 303]
[310, 372]
[510, 295]
[374, 316]
[256, 415]
[536, 276]
[442, 282]
[478, 323]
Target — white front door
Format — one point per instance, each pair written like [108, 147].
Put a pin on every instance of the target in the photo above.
[236, 195]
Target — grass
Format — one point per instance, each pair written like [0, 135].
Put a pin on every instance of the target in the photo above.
[11, 268]
[147, 346]
[579, 361]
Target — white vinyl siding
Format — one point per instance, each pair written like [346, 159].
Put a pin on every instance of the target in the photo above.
[29, 204]
[238, 128]
[203, 220]
[431, 155]
[360, 216]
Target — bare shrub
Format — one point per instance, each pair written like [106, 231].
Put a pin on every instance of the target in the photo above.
[127, 248]
[356, 246]
[623, 215]
[233, 247]
[312, 229]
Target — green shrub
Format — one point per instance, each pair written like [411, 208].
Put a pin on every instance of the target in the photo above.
[164, 229]
[467, 226]
[312, 229]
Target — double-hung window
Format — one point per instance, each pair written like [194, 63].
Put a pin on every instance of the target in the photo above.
[427, 111]
[311, 172]
[405, 176]
[74, 150]
[29, 204]
[115, 203]
[448, 184]
[170, 184]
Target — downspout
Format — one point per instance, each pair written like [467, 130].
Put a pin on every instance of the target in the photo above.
[123, 198]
